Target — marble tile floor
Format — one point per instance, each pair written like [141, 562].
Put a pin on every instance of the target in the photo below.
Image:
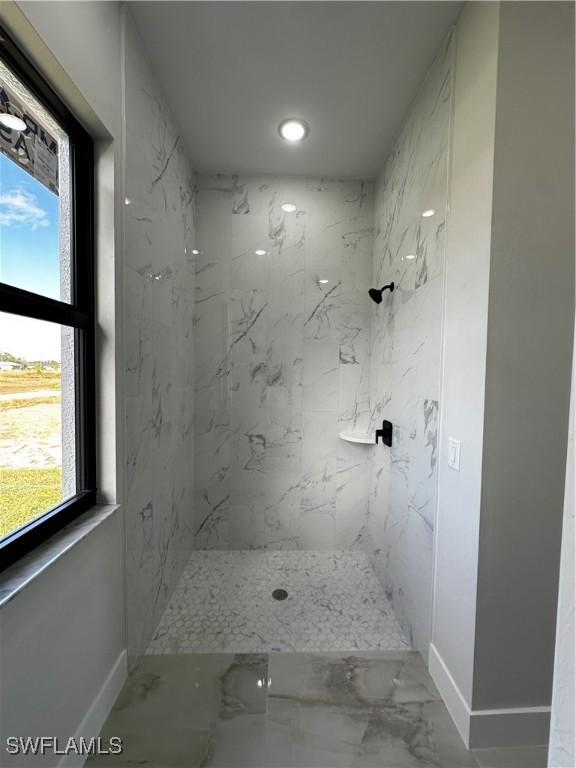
[288, 710]
[223, 604]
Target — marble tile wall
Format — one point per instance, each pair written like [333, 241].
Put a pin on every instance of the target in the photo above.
[282, 359]
[159, 274]
[406, 351]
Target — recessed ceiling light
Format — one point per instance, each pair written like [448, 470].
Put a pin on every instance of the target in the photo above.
[127, 201]
[195, 251]
[288, 207]
[428, 212]
[410, 256]
[12, 121]
[323, 281]
[260, 252]
[293, 130]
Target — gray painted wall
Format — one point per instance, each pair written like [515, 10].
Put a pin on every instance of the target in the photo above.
[60, 638]
[507, 356]
[529, 350]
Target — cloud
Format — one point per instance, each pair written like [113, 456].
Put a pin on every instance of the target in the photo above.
[19, 208]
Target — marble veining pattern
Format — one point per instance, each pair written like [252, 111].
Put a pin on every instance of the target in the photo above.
[282, 359]
[223, 603]
[158, 307]
[329, 710]
[406, 351]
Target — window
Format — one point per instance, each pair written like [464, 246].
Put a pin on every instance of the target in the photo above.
[47, 427]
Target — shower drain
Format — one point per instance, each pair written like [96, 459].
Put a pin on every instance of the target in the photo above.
[279, 594]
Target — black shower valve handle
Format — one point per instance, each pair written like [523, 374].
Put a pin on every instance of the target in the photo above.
[385, 433]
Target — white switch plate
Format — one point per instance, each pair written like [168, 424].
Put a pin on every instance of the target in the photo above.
[454, 454]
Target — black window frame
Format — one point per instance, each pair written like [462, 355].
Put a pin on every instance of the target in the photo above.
[79, 314]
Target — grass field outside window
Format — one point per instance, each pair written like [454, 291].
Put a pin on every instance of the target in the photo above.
[30, 445]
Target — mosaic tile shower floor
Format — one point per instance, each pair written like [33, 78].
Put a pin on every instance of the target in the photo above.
[223, 603]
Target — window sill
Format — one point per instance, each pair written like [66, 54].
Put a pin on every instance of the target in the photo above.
[22, 573]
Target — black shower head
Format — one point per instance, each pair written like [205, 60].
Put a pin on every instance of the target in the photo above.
[376, 293]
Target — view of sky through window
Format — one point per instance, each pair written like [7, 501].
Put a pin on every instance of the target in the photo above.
[29, 255]
[29, 219]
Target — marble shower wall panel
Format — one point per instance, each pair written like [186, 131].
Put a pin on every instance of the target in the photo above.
[406, 351]
[159, 278]
[282, 360]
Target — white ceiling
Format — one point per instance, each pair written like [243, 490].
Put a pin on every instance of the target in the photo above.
[231, 71]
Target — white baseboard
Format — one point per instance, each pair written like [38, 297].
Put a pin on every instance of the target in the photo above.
[518, 727]
[482, 729]
[453, 698]
[99, 710]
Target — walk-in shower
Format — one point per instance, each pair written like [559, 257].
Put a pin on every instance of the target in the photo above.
[283, 376]
[288, 360]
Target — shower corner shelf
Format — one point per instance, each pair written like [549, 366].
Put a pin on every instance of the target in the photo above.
[361, 438]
